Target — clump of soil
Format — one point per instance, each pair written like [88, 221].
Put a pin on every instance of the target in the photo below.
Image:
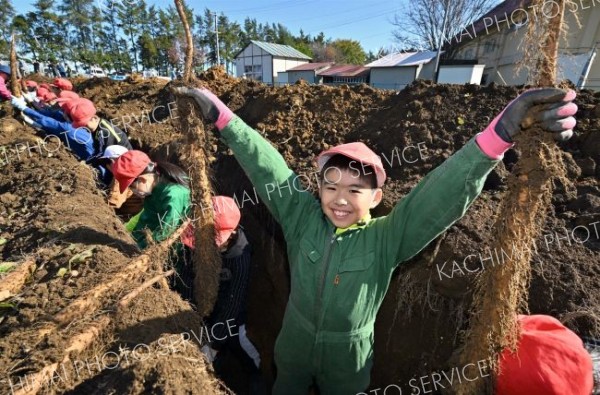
[421, 320]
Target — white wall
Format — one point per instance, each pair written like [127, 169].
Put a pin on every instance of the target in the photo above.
[467, 74]
[392, 77]
[427, 72]
[283, 64]
[253, 55]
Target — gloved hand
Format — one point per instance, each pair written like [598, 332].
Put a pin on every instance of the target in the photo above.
[31, 122]
[27, 120]
[18, 103]
[550, 108]
[29, 96]
[213, 109]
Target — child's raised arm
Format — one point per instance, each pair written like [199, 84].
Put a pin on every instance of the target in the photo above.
[445, 194]
[276, 184]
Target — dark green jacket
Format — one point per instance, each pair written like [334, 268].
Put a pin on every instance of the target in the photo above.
[164, 211]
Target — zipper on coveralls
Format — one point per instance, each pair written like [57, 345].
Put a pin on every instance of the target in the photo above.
[319, 304]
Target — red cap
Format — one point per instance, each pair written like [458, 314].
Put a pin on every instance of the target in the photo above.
[358, 152]
[31, 84]
[80, 111]
[550, 360]
[227, 218]
[47, 96]
[42, 91]
[128, 167]
[62, 84]
[45, 86]
[65, 96]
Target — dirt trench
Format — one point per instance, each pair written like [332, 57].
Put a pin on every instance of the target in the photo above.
[421, 320]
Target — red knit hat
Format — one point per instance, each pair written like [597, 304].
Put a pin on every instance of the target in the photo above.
[550, 360]
[80, 111]
[62, 84]
[31, 84]
[128, 167]
[358, 152]
[227, 218]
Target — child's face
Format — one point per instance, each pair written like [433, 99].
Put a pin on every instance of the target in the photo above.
[143, 185]
[346, 198]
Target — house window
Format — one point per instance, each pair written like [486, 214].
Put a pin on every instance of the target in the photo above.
[349, 80]
[253, 72]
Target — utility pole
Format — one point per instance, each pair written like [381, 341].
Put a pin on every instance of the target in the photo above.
[217, 33]
[439, 49]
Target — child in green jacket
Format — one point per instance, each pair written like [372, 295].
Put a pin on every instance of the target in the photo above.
[165, 190]
[341, 260]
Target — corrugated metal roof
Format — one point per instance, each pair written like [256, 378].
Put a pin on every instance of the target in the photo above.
[311, 66]
[284, 51]
[404, 59]
[344, 70]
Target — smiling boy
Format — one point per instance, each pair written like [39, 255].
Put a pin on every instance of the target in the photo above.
[341, 260]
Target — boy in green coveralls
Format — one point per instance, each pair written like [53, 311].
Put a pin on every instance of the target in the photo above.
[341, 260]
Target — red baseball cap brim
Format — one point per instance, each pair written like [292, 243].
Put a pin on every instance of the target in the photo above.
[128, 167]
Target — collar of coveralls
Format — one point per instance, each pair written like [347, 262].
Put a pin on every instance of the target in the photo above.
[360, 224]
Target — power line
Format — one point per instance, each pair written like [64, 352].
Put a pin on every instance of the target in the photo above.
[316, 30]
[271, 7]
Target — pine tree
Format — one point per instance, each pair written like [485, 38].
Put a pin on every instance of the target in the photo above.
[6, 16]
[131, 19]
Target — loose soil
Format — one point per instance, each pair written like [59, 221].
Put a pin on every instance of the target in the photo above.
[51, 210]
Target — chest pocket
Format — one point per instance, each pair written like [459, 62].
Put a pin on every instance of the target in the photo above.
[357, 264]
[309, 252]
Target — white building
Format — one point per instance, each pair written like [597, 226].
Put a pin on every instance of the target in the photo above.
[396, 71]
[262, 61]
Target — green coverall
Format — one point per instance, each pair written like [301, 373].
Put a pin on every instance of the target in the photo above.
[339, 279]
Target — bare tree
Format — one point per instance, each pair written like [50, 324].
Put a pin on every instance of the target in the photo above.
[421, 24]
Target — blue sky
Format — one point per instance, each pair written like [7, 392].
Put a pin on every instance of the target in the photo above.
[367, 21]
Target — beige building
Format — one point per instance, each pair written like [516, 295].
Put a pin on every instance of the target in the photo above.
[496, 40]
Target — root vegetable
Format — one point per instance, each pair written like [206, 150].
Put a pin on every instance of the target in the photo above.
[12, 283]
[502, 290]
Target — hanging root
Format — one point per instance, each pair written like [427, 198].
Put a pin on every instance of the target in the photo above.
[501, 290]
[206, 258]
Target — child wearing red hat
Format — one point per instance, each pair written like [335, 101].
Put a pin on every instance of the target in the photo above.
[230, 307]
[341, 260]
[82, 114]
[48, 104]
[61, 84]
[165, 189]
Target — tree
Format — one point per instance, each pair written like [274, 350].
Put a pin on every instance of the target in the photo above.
[349, 51]
[6, 16]
[422, 24]
[131, 19]
[324, 52]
